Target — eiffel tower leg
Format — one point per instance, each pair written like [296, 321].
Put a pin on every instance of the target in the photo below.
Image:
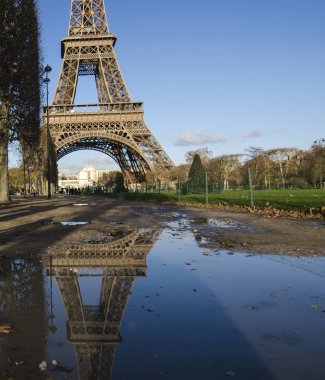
[101, 90]
[66, 88]
[70, 292]
[111, 74]
[114, 298]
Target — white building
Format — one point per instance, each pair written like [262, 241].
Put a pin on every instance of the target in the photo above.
[87, 177]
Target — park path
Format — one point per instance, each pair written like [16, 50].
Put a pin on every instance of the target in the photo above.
[30, 226]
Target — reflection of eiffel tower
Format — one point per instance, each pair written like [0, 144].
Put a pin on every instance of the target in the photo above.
[94, 330]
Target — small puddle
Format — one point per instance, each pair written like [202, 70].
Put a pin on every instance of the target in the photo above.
[73, 223]
[221, 223]
[81, 204]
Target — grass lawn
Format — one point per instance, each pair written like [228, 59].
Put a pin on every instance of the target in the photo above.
[297, 199]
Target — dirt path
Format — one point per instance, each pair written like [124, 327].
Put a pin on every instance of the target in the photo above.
[31, 226]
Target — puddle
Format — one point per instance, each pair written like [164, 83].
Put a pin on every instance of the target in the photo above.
[112, 302]
[221, 223]
[178, 225]
[81, 204]
[73, 223]
[166, 213]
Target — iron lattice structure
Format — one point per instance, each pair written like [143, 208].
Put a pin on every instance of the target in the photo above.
[115, 125]
[94, 329]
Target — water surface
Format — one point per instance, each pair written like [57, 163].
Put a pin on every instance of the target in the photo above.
[147, 304]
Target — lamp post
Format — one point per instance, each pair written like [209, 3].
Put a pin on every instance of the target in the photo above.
[46, 80]
[51, 326]
[206, 189]
[320, 142]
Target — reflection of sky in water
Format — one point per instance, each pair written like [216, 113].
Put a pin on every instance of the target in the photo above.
[259, 316]
[90, 290]
[73, 223]
[221, 223]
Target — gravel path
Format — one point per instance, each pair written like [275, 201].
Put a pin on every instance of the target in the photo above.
[31, 226]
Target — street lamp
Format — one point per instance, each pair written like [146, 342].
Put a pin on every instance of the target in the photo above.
[51, 326]
[320, 142]
[46, 80]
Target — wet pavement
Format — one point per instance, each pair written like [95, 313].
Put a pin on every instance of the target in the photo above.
[115, 302]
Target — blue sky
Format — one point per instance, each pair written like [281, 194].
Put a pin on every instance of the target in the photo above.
[222, 74]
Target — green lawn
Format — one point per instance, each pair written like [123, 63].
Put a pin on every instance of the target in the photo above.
[298, 199]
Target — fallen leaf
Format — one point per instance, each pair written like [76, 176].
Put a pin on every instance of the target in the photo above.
[6, 329]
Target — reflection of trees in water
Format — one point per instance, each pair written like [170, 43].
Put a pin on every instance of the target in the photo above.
[22, 306]
[117, 257]
[21, 288]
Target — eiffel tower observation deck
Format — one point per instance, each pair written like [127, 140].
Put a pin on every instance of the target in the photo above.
[115, 125]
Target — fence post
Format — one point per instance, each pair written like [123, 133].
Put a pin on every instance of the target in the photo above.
[250, 188]
[206, 189]
[179, 190]
[320, 173]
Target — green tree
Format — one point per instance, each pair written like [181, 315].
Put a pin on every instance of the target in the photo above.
[7, 62]
[16, 179]
[196, 175]
[115, 182]
[19, 81]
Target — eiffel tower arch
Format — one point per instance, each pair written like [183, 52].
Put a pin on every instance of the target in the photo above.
[115, 125]
[93, 330]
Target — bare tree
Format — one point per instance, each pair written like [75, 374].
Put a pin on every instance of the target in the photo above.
[204, 153]
[224, 169]
[259, 163]
[283, 160]
[179, 172]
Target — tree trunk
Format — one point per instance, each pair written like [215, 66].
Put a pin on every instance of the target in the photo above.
[25, 181]
[4, 180]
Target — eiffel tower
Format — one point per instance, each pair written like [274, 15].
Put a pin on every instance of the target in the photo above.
[94, 329]
[115, 125]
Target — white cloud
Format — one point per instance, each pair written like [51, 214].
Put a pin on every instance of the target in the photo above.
[199, 137]
[253, 133]
[99, 161]
[78, 160]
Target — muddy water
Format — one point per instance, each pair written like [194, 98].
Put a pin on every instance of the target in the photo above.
[145, 304]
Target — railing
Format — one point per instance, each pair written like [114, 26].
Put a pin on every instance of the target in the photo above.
[95, 107]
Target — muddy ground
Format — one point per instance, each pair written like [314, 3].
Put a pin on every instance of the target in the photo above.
[31, 226]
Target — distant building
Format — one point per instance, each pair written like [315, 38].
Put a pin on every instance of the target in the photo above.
[87, 177]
